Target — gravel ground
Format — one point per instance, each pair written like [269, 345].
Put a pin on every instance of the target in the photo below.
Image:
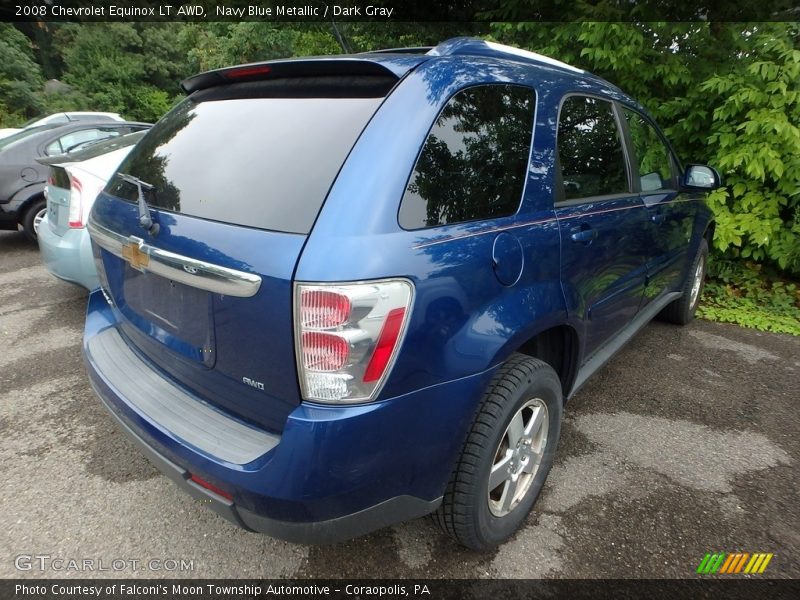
[686, 443]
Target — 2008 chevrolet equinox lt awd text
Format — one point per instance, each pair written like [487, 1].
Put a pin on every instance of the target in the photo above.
[343, 292]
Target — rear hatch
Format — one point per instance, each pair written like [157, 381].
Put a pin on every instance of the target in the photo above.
[233, 179]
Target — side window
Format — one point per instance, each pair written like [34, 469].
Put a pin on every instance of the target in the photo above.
[652, 155]
[474, 161]
[53, 148]
[590, 149]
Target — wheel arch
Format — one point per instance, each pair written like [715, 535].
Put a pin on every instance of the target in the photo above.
[708, 234]
[26, 197]
[559, 347]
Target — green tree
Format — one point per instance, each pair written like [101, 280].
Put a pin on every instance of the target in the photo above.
[755, 140]
[124, 67]
[20, 78]
[216, 45]
[727, 94]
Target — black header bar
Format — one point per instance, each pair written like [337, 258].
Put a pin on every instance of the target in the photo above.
[396, 589]
[397, 10]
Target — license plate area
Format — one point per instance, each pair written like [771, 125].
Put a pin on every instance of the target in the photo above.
[177, 315]
[58, 209]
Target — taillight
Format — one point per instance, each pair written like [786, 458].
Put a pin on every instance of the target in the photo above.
[324, 351]
[385, 346]
[348, 336]
[75, 203]
[322, 309]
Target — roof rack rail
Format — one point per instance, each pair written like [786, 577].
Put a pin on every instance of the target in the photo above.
[409, 50]
[477, 47]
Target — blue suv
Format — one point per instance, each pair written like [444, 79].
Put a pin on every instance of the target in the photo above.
[343, 292]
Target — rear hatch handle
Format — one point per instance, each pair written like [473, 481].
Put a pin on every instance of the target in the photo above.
[176, 267]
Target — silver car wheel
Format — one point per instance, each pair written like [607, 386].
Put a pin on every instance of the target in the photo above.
[518, 457]
[38, 218]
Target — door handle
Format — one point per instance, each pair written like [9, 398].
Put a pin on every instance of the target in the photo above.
[584, 236]
[658, 218]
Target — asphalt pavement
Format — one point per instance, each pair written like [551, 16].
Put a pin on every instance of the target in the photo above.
[687, 442]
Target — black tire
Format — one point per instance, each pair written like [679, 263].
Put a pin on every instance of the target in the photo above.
[30, 215]
[465, 513]
[682, 310]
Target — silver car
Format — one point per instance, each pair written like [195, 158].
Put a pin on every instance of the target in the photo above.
[74, 182]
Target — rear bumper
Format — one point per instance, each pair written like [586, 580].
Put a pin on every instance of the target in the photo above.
[68, 257]
[393, 510]
[333, 473]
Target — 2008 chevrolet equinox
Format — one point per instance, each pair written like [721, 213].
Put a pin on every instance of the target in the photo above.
[342, 292]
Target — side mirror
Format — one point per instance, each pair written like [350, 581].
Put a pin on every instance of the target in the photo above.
[701, 177]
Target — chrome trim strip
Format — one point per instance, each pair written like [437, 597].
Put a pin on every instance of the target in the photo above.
[189, 271]
[576, 215]
[470, 234]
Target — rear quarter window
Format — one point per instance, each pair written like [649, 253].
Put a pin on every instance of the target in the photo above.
[474, 160]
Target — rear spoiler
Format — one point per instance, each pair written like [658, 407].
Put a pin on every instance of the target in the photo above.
[319, 66]
[59, 160]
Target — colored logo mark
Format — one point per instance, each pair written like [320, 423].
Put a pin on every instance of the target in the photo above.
[727, 563]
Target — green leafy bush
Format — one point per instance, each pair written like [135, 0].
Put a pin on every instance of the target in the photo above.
[754, 139]
[727, 94]
[743, 294]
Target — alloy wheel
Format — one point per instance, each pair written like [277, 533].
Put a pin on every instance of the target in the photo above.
[518, 457]
[37, 219]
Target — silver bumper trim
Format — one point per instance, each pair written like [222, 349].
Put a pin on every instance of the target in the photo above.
[183, 269]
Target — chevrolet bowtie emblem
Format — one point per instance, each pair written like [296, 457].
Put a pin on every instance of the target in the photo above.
[133, 254]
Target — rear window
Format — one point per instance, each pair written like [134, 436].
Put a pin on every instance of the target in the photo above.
[21, 135]
[105, 146]
[79, 138]
[264, 162]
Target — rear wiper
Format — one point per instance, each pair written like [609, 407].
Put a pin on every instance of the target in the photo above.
[145, 220]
